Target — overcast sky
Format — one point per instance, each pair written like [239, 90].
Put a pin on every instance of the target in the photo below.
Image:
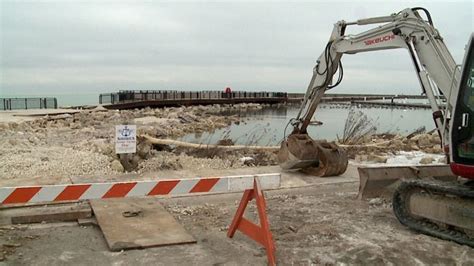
[89, 47]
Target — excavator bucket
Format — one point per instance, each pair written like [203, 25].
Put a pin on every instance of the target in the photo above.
[315, 157]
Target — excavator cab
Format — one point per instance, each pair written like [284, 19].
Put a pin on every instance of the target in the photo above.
[462, 131]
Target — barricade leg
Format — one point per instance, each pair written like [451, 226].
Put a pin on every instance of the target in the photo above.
[261, 234]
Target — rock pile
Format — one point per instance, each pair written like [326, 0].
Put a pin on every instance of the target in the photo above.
[83, 143]
[380, 147]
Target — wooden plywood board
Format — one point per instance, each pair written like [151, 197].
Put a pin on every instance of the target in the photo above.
[148, 224]
[45, 213]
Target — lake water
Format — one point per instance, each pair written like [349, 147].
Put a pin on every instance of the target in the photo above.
[266, 126]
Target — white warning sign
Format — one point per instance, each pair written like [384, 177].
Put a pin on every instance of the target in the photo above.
[125, 139]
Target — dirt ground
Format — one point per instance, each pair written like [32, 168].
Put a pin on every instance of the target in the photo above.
[315, 225]
[315, 221]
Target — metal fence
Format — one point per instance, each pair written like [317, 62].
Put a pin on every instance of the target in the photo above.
[295, 95]
[162, 95]
[28, 103]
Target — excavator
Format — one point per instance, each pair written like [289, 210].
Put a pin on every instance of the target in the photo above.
[437, 208]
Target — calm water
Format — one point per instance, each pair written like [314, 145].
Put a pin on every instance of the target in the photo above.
[266, 126]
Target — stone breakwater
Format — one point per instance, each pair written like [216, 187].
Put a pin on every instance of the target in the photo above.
[379, 148]
[83, 143]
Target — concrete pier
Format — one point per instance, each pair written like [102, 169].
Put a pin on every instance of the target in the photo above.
[168, 98]
[141, 99]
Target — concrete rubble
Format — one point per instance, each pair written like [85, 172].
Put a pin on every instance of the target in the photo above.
[82, 143]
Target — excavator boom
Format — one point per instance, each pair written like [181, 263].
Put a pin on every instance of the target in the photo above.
[406, 29]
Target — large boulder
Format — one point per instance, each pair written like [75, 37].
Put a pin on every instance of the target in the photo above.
[152, 120]
[117, 166]
[187, 118]
[423, 140]
[361, 158]
[442, 160]
[144, 149]
[396, 144]
[434, 139]
[376, 158]
[129, 161]
[151, 131]
[427, 160]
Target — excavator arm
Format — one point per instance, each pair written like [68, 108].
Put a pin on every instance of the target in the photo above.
[434, 65]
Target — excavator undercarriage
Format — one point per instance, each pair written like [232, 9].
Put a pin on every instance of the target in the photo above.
[437, 208]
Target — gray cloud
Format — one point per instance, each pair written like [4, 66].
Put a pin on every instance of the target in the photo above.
[70, 48]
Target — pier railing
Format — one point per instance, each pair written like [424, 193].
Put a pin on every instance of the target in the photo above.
[28, 103]
[126, 99]
[163, 95]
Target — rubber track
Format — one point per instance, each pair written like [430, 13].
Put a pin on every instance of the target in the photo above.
[400, 198]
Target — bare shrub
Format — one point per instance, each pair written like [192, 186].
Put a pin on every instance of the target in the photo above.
[357, 128]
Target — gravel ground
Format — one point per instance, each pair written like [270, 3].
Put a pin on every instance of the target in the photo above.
[314, 225]
[319, 225]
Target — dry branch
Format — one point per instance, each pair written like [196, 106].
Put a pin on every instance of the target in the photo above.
[206, 146]
[240, 147]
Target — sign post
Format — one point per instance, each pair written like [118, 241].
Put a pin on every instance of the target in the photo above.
[125, 139]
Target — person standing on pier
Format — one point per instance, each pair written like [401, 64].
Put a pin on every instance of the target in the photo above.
[228, 92]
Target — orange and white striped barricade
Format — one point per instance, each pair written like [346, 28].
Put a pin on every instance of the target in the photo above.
[160, 187]
[261, 234]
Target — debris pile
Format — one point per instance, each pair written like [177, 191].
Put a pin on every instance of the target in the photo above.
[380, 147]
[83, 143]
